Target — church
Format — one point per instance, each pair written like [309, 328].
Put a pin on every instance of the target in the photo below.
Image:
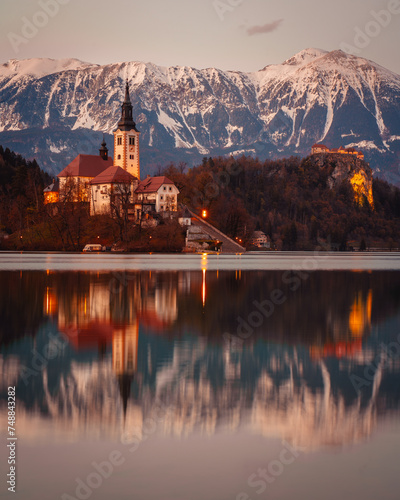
[111, 186]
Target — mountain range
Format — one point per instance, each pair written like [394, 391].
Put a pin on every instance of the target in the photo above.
[55, 109]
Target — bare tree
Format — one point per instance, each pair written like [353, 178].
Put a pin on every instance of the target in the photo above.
[121, 204]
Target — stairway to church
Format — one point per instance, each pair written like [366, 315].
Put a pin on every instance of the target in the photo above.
[228, 245]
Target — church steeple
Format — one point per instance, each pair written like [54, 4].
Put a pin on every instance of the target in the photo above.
[126, 122]
[126, 139]
[104, 150]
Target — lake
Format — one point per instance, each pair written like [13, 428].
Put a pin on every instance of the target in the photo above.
[200, 377]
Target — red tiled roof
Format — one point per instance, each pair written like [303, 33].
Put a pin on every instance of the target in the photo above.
[319, 146]
[152, 184]
[113, 174]
[86, 166]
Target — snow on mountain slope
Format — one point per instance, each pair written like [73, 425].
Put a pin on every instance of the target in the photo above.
[40, 67]
[185, 113]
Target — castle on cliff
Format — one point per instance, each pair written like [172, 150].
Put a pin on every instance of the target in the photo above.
[322, 149]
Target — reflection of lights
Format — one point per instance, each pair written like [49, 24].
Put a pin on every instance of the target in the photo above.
[51, 302]
[47, 300]
[360, 315]
[204, 288]
[204, 269]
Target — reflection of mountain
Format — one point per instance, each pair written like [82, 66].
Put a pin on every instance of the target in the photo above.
[197, 387]
[21, 304]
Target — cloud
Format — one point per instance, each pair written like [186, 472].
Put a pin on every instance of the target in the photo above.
[266, 28]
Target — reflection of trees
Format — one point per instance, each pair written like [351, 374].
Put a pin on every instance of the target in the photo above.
[323, 309]
[21, 304]
[327, 306]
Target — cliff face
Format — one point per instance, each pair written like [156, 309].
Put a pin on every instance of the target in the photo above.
[348, 167]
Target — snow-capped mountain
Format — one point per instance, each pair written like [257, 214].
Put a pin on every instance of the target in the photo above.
[54, 110]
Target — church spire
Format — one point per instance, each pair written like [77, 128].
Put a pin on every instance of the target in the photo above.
[126, 139]
[126, 122]
[104, 150]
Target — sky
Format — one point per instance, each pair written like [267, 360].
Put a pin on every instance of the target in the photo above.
[242, 35]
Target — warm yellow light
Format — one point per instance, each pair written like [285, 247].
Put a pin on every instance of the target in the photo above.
[360, 315]
[204, 288]
[362, 187]
[204, 213]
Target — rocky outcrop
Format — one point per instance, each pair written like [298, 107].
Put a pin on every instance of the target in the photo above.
[348, 167]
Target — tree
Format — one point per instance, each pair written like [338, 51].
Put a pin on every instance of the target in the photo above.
[121, 203]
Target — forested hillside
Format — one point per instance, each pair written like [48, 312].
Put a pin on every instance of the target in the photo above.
[297, 202]
[21, 191]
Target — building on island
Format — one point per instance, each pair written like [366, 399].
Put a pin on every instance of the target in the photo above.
[322, 149]
[113, 191]
[126, 139]
[260, 240]
[51, 192]
[75, 178]
[110, 185]
[185, 218]
[157, 194]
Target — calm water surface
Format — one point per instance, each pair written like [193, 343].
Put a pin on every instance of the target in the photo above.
[202, 377]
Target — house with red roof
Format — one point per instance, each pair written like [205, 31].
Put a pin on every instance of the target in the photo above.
[319, 148]
[112, 192]
[157, 194]
[75, 177]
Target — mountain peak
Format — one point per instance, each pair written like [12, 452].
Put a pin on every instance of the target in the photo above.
[314, 96]
[39, 67]
[305, 56]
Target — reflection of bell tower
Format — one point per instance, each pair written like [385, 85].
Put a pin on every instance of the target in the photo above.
[124, 358]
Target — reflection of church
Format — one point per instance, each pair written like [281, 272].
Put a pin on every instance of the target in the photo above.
[124, 358]
[275, 389]
[99, 316]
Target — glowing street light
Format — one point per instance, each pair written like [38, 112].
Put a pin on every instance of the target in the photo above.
[204, 214]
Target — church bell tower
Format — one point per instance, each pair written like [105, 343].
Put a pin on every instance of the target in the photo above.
[126, 139]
